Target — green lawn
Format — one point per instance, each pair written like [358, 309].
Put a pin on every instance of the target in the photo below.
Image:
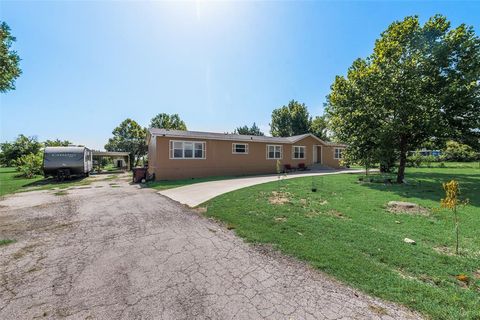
[10, 183]
[473, 165]
[343, 229]
[169, 184]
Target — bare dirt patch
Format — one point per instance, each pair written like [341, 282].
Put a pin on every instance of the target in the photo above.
[378, 310]
[406, 208]
[279, 198]
[24, 251]
[336, 214]
[476, 274]
[200, 210]
[444, 250]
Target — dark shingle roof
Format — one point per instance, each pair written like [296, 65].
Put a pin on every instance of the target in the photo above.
[230, 136]
[223, 136]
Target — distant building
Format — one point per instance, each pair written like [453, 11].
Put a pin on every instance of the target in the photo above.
[424, 152]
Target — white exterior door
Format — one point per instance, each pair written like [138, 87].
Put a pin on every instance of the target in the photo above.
[317, 154]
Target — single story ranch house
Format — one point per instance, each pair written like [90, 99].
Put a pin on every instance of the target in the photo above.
[176, 154]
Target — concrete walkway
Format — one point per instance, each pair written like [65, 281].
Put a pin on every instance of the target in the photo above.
[195, 194]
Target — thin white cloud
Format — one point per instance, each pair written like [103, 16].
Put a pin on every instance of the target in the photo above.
[197, 4]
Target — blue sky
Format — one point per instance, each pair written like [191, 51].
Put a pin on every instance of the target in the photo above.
[89, 65]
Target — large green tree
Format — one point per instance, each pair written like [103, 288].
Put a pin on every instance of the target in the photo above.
[166, 121]
[254, 130]
[319, 127]
[400, 96]
[22, 146]
[57, 143]
[129, 137]
[9, 60]
[292, 119]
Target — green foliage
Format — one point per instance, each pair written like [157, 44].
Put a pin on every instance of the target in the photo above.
[254, 130]
[23, 145]
[429, 159]
[57, 143]
[290, 120]
[9, 60]
[29, 165]
[166, 121]
[415, 160]
[452, 201]
[397, 98]
[319, 126]
[456, 151]
[4, 242]
[104, 161]
[130, 137]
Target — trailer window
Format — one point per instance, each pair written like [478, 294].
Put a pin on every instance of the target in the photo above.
[187, 150]
[274, 152]
[239, 148]
[338, 153]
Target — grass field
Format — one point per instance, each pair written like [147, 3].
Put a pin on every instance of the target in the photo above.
[10, 183]
[345, 230]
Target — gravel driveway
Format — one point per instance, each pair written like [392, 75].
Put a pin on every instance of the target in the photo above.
[115, 251]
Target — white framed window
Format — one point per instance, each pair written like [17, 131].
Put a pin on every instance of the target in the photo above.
[187, 149]
[274, 151]
[240, 148]
[298, 152]
[338, 153]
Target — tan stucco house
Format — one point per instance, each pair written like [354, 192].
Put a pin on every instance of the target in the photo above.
[175, 154]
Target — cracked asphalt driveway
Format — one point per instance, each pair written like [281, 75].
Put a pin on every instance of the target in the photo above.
[115, 251]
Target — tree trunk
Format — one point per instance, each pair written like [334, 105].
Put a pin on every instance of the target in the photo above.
[403, 161]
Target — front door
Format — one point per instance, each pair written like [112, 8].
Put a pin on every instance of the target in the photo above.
[317, 154]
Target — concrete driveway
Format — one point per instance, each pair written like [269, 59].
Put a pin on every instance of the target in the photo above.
[113, 251]
[198, 193]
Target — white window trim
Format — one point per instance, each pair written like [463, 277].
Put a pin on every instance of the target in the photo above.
[281, 151]
[234, 148]
[304, 152]
[335, 153]
[170, 150]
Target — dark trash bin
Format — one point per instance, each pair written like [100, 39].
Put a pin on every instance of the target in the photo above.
[139, 174]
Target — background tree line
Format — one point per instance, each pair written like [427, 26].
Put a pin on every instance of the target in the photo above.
[25, 154]
[294, 119]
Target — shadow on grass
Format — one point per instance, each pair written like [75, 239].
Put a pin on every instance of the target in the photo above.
[428, 185]
[53, 181]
